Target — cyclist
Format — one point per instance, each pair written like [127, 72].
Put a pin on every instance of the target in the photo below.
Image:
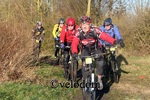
[38, 36]
[66, 37]
[88, 36]
[56, 33]
[111, 30]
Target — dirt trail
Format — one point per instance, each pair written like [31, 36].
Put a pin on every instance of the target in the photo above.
[99, 97]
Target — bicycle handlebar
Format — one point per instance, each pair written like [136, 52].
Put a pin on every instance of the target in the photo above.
[93, 55]
[67, 47]
[113, 46]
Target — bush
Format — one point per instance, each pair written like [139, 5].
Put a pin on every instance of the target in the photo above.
[16, 47]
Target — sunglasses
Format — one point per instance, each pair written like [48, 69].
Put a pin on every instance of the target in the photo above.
[86, 20]
[71, 25]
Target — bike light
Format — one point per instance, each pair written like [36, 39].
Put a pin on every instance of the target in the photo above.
[88, 60]
[37, 41]
[112, 49]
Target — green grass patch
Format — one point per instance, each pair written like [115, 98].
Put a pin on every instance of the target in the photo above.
[36, 90]
[25, 91]
[47, 71]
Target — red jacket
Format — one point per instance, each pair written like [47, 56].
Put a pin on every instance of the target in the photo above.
[67, 35]
[99, 34]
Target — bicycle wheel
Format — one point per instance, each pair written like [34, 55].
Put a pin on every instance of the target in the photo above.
[93, 95]
[86, 90]
[88, 93]
[69, 71]
[60, 58]
[74, 67]
[115, 71]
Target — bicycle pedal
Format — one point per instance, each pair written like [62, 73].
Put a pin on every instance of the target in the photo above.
[87, 69]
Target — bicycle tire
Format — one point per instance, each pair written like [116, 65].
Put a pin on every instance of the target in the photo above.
[87, 93]
[116, 77]
[93, 95]
[115, 72]
[60, 58]
[60, 61]
[74, 67]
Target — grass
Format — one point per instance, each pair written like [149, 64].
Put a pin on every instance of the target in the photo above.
[40, 89]
[25, 91]
[134, 84]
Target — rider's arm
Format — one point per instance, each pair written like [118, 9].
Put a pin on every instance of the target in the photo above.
[75, 43]
[101, 42]
[104, 36]
[54, 30]
[117, 33]
[62, 34]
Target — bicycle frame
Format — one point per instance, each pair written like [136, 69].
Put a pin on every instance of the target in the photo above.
[111, 51]
[60, 55]
[90, 69]
[73, 67]
[113, 62]
[68, 71]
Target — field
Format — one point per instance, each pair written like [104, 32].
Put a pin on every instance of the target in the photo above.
[35, 83]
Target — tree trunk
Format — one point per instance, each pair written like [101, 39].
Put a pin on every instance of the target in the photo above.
[88, 8]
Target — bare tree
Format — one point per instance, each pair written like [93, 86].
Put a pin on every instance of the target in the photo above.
[88, 8]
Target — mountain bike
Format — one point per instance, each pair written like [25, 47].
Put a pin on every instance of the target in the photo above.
[112, 62]
[72, 67]
[89, 77]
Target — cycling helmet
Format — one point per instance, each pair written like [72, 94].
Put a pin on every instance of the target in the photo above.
[61, 21]
[70, 21]
[85, 19]
[107, 21]
[39, 23]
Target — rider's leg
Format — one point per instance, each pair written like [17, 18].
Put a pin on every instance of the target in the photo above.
[100, 65]
[56, 51]
[56, 48]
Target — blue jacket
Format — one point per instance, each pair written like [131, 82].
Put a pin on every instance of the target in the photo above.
[113, 32]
